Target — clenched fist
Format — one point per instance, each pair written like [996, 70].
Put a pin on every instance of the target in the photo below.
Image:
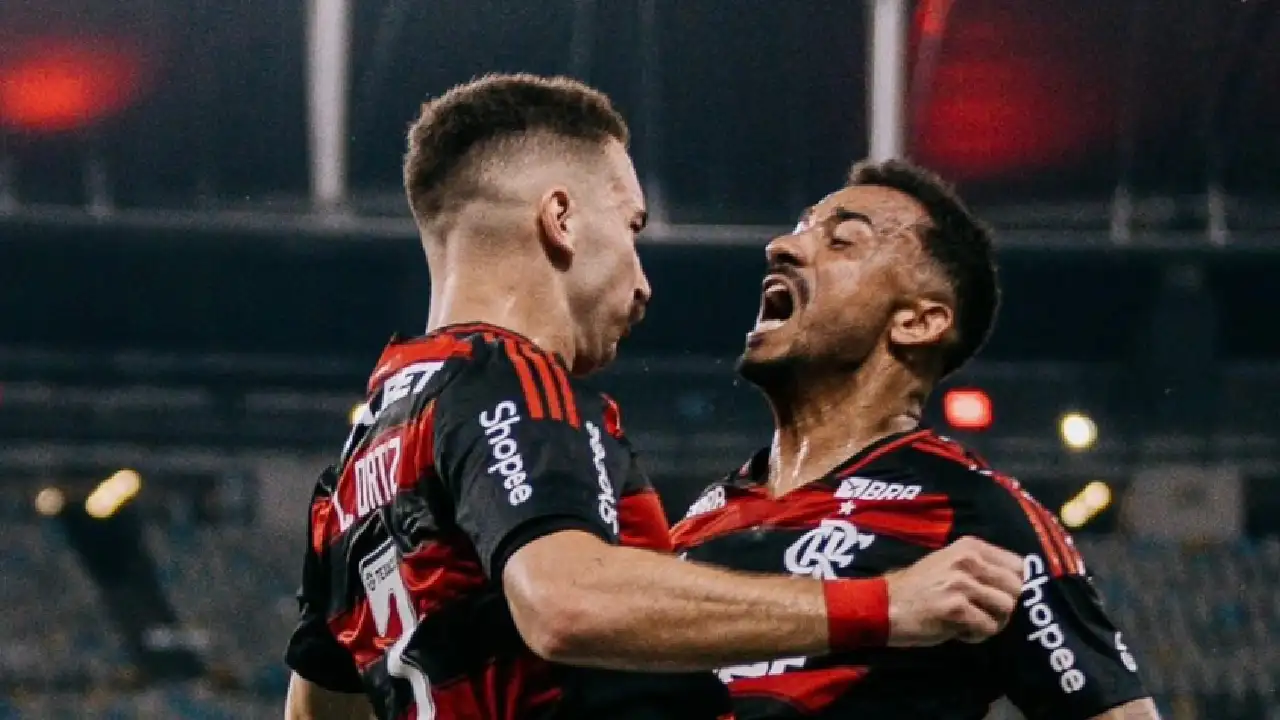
[966, 591]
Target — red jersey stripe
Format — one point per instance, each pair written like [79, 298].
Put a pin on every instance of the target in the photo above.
[642, 523]
[926, 520]
[1071, 562]
[431, 347]
[440, 572]
[321, 508]
[527, 383]
[1030, 509]
[566, 392]
[934, 446]
[548, 382]
[759, 507]
[809, 691]
[928, 523]
[612, 417]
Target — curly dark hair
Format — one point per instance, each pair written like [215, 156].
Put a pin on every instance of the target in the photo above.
[456, 128]
[957, 241]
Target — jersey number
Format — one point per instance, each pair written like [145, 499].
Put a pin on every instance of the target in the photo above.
[385, 589]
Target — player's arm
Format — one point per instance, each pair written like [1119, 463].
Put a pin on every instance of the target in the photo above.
[527, 493]
[1061, 656]
[325, 684]
[580, 601]
[309, 701]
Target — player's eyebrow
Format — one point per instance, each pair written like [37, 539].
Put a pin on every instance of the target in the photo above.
[842, 214]
[838, 215]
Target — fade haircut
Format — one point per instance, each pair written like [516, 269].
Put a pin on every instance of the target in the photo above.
[455, 132]
[957, 241]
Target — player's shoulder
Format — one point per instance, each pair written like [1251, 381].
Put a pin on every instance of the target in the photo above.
[490, 369]
[419, 361]
[994, 505]
[951, 467]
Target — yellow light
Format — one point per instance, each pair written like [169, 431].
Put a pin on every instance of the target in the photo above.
[356, 412]
[1074, 514]
[1096, 495]
[112, 494]
[1085, 506]
[49, 501]
[1078, 431]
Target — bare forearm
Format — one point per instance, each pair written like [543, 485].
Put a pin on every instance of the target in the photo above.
[636, 610]
[1144, 709]
[579, 601]
[308, 701]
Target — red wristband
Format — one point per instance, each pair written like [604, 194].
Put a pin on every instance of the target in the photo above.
[857, 613]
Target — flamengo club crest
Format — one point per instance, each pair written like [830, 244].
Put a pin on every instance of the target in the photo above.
[825, 549]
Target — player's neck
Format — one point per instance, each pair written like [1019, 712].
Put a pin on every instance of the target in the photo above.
[827, 418]
[504, 294]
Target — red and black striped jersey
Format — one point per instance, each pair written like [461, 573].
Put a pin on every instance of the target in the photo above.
[474, 442]
[1060, 658]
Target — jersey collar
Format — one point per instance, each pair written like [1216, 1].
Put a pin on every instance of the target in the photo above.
[481, 328]
[489, 330]
[755, 473]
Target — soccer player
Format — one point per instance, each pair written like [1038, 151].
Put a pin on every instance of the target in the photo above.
[487, 526]
[885, 287]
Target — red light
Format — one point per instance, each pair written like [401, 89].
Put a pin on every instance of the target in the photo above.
[967, 409]
[55, 85]
[932, 17]
[995, 101]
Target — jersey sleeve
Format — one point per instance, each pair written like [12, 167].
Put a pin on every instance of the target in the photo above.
[514, 452]
[313, 652]
[1061, 657]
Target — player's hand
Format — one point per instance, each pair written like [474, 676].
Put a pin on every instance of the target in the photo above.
[966, 591]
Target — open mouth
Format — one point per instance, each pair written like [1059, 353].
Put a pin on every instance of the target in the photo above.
[777, 303]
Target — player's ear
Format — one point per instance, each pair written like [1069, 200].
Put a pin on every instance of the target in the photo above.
[923, 323]
[556, 219]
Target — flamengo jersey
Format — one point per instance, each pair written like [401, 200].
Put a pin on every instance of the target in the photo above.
[1060, 658]
[474, 443]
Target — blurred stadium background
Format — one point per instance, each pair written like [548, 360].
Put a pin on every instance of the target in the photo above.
[203, 249]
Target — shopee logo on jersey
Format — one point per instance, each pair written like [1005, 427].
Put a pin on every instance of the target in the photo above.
[498, 427]
[1047, 632]
[608, 507]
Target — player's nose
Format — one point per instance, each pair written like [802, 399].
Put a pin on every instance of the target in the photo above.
[643, 290]
[785, 250]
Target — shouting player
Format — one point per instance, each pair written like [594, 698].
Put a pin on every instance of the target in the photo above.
[487, 526]
[884, 288]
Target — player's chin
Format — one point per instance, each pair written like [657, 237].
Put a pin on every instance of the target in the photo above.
[764, 364]
[586, 363]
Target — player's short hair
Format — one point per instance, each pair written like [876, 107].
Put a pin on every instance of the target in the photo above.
[448, 141]
[957, 241]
